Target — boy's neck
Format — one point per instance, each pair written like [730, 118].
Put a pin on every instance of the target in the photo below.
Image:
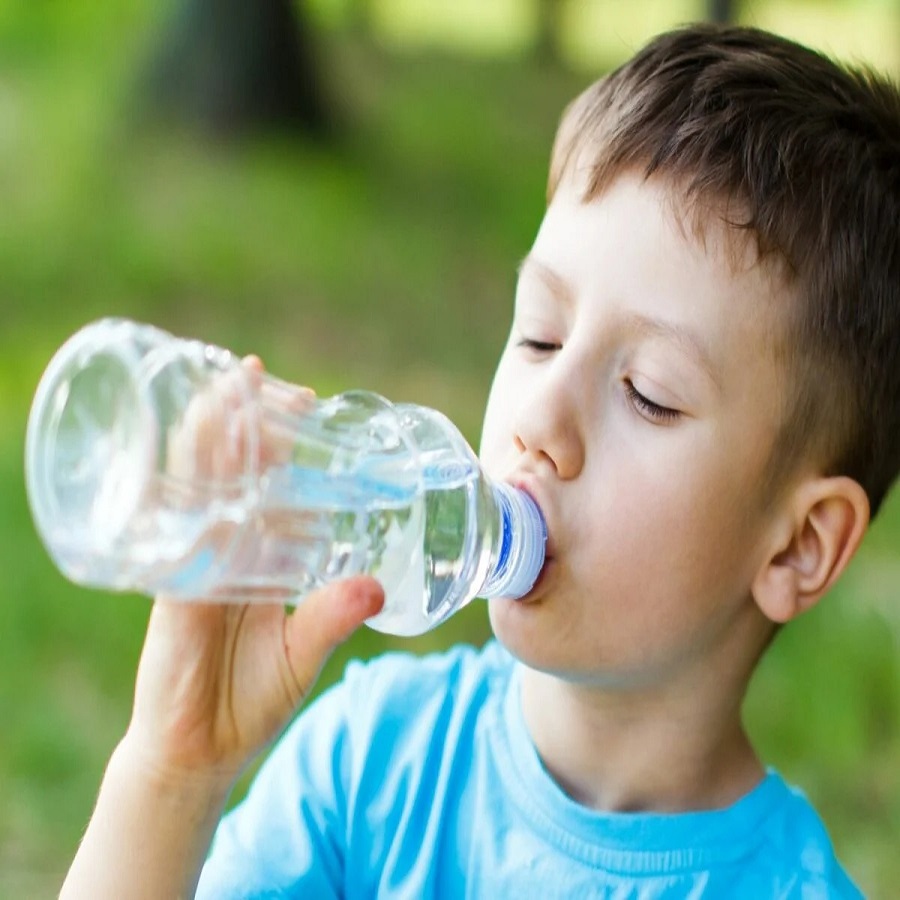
[675, 748]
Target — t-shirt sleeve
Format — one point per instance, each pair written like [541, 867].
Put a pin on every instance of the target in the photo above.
[287, 838]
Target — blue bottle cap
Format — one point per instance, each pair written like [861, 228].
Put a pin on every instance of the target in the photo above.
[523, 545]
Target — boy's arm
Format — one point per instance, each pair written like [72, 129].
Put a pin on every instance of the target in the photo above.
[148, 835]
[216, 684]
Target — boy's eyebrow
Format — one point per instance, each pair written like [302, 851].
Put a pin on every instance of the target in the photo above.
[688, 342]
[557, 286]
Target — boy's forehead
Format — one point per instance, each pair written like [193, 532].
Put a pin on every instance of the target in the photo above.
[742, 282]
[716, 223]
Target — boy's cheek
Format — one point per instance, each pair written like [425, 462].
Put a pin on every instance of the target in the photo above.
[497, 433]
[490, 454]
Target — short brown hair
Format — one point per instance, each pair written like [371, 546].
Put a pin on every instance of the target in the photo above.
[810, 152]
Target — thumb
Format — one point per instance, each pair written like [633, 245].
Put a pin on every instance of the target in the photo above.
[324, 619]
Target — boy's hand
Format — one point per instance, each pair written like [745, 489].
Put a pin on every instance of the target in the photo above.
[217, 682]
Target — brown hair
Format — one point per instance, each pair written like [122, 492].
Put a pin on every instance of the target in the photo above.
[809, 152]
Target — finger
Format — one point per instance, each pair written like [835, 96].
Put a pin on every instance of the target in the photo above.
[253, 364]
[286, 404]
[209, 440]
[324, 619]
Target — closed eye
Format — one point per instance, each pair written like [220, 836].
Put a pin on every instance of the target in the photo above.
[647, 408]
[537, 346]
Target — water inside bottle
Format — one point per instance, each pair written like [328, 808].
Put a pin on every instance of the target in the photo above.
[305, 528]
[443, 564]
[415, 540]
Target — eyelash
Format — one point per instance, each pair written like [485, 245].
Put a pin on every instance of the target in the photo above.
[538, 346]
[650, 409]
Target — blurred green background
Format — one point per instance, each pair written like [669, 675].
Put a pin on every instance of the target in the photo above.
[376, 249]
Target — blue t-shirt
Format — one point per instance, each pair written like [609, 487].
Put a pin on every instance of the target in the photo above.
[416, 777]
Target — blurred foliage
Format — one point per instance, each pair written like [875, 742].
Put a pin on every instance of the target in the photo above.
[384, 261]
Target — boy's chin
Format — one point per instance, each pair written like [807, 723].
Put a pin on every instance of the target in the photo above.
[525, 633]
[531, 634]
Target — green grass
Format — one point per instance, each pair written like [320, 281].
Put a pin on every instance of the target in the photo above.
[385, 263]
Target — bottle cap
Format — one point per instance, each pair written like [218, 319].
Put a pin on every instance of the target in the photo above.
[523, 544]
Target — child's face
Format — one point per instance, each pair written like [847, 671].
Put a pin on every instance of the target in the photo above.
[638, 400]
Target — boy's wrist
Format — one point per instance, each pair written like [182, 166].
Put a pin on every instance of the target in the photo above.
[151, 828]
[204, 785]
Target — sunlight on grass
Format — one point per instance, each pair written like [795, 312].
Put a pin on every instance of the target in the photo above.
[593, 33]
[608, 31]
[499, 26]
[866, 31]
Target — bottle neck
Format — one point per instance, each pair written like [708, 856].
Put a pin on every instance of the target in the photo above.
[522, 539]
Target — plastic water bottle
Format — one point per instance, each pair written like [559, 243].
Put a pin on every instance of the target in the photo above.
[164, 465]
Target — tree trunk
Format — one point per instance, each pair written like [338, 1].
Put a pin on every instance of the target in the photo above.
[547, 41]
[724, 12]
[234, 65]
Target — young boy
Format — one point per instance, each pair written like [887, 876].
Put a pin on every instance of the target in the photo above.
[702, 391]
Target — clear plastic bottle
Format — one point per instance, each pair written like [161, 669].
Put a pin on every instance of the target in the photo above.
[165, 465]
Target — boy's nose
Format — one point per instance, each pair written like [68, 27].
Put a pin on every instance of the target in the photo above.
[546, 429]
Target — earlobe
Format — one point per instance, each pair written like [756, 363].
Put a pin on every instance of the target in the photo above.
[824, 525]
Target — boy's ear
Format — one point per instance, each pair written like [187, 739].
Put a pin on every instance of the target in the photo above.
[822, 526]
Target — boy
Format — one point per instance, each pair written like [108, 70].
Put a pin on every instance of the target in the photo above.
[701, 389]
